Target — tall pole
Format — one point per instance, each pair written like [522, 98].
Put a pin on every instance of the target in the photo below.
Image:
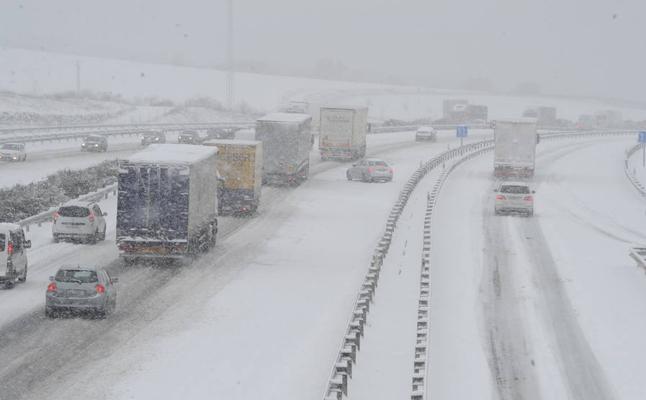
[230, 69]
[78, 76]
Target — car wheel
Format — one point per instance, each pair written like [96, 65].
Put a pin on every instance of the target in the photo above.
[56, 239]
[9, 284]
[49, 312]
[348, 175]
[92, 239]
[102, 237]
[364, 177]
[23, 278]
[100, 313]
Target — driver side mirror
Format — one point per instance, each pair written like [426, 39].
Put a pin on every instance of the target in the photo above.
[495, 190]
[533, 191]
[105, 214]
[355, 164]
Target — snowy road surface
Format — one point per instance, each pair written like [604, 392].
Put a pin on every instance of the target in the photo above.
[548, 307]
[251, 297]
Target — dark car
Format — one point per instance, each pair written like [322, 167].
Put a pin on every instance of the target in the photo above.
[221, 133]
[95, 143]
[190, 137]
[153, 137]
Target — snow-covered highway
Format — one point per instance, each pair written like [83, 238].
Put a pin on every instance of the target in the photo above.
[297, 282]
[520, 308]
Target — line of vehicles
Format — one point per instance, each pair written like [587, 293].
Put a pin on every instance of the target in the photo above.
[514, 163]
[170, 197]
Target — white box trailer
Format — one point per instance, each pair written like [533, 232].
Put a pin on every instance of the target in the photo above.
[515, 148]
[167, 202]
[342, 132]
[286, 141]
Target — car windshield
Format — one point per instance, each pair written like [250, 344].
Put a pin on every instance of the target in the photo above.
[2, 240]
[10, 146]
[514, 189]
[93, 139]
[74, 211]
[377, 164]
[76, 275]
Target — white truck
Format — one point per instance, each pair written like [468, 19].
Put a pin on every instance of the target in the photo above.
[286, 141]
[342, 132]
[515, 148]
[167, 202]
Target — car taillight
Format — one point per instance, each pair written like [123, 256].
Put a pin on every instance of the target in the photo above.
[390, 170]
[528, 198]
[56, 216]
[100, 289]
[91, 217]
[500, 197]
[371, 170]
[10, 248]
[52, 287]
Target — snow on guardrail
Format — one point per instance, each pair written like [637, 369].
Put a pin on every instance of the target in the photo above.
[44, 134]
[632, 178]
[341, 373]
[47, 216]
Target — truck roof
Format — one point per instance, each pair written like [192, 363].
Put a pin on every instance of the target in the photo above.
[173, 153]
[285, 117]
[517, 120]
[345, 107]
[233, 142]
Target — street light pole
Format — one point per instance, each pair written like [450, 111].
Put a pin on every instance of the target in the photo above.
[230, 63]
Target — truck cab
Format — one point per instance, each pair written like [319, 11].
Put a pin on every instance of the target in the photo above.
[13, 254]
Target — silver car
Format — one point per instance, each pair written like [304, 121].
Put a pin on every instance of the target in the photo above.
[514, 197]
[370, 170]
[13, 152]
[81, 289]
[13, 254]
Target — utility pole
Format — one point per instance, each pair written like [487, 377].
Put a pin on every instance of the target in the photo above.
[231, 67]
[78, 76]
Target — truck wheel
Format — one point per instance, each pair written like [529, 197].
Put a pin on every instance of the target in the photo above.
[23, 278]
[347, 175]
[49, 312]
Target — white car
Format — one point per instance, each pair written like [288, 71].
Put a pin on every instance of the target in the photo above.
[426, 133]
[79, 221]
[13, 152]
[13, 254]
[514, 197]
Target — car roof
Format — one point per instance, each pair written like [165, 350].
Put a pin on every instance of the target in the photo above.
[78, 203]
[6, 226]
[80, 267]
[14, 143]
[95, 137]
[373, 159]
[513, 183]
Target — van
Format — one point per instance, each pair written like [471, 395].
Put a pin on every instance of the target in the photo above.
[13, 254]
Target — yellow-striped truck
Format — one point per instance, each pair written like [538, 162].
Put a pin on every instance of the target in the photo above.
[239, 164]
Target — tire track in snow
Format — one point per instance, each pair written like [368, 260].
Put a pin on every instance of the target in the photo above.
[510, 360]
[582, 373]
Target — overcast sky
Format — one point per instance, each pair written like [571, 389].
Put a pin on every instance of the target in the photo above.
[567, 46]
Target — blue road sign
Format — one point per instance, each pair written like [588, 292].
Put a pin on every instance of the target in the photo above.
[642, 137]
[462, 131]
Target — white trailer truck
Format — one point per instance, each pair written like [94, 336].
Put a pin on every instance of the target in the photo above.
[342, 132]
[286, 141]
[515, 148]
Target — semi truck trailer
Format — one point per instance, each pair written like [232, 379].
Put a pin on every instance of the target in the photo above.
[167, 202]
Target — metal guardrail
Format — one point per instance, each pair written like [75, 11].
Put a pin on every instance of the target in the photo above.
[47, 216]
[631, 177]
[43, 134]
[638, 253]
[338, 381]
